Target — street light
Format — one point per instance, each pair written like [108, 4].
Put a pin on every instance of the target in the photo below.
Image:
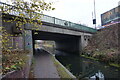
[94, 20]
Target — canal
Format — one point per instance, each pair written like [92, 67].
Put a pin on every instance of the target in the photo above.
[88, 69]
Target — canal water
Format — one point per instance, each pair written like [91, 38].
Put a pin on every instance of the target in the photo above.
[87, 69]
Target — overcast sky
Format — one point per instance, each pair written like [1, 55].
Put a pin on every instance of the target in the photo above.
[80, 11]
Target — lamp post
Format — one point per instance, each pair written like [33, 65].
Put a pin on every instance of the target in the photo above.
[94, 20]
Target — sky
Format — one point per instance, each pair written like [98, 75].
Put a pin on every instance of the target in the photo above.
[80, 11]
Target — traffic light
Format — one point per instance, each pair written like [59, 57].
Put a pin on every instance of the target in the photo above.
[94, 21]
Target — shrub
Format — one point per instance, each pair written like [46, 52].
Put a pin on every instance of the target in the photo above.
[13, 60]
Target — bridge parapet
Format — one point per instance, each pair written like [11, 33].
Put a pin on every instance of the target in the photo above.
[45, 18]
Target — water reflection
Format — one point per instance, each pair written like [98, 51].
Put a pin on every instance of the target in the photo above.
[98, 76]
[89, 69]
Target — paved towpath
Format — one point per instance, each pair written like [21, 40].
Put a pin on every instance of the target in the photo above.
[44, 66]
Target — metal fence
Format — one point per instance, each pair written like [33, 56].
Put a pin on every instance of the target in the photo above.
[66, 24]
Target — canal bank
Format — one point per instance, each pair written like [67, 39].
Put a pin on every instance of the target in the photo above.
[62, 71]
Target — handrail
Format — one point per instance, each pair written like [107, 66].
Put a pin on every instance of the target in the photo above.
[46, 18]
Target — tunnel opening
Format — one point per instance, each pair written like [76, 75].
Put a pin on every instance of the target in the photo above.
[60, 42]
[43, 46]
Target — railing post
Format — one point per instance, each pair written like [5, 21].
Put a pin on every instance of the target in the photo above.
[54, 19]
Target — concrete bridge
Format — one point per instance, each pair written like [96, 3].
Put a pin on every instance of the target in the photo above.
[68, 36]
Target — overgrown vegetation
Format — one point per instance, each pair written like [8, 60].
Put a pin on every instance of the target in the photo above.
[104, 46]
[13, 60]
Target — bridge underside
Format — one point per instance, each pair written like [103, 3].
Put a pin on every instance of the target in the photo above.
[67, 43]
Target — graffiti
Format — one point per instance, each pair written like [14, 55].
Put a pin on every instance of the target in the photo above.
[28, 40]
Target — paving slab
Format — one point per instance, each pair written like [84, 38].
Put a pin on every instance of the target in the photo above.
[44, 66]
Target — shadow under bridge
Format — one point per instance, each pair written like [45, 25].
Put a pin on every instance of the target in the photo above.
[63, 42]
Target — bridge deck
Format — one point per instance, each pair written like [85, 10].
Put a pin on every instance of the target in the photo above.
[46, 18]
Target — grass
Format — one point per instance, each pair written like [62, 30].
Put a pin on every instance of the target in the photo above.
[111, 64]
[61, 71]
[90, 57]
[115, 65]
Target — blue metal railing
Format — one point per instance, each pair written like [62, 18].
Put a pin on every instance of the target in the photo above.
[66, 24]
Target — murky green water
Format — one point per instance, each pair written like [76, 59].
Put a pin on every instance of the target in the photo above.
[89, 69]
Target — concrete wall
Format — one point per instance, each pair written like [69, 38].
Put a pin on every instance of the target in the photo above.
[14, 41]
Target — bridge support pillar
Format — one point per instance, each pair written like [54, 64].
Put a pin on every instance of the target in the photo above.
[28, 43]
[83, 42]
